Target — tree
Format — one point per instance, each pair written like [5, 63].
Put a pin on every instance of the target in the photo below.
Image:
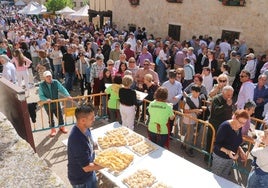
[54, 5]
[86, 2]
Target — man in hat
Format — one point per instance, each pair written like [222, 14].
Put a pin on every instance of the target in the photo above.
[251, 65]
[132, 41]
[49, 90]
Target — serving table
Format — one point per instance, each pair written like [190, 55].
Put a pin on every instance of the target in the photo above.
[168, 168]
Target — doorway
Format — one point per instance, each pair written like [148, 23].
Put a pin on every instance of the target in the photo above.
[174, 31]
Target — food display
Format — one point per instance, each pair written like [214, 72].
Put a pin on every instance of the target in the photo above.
[160, 185]
[118, 131]
[140, 179]
[113, 159]
[143, 148]
[112, 140]
[133, 139]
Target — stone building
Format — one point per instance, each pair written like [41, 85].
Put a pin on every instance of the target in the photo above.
[193, 17]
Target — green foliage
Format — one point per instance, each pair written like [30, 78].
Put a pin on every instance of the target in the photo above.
[54, 5]
[86, 2]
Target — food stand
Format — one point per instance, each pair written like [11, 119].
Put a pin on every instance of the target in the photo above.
[167, 168]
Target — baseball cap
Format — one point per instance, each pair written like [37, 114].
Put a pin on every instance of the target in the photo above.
[47, 73]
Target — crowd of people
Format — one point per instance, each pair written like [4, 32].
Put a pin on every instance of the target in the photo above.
[228, 76]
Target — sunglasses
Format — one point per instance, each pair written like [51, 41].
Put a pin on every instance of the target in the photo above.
[146, 64]
[222, 81]
[110, 64]
[242, 76]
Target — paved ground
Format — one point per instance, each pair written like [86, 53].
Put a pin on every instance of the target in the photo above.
[54, 152]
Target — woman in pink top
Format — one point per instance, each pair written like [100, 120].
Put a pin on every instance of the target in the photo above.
[21, 63]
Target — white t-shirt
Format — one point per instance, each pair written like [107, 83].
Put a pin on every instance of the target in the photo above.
[261, 154]
[187, 120]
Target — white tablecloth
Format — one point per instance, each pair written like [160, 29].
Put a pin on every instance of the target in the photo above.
[168, 168]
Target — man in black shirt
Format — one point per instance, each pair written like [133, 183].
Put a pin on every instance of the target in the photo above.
[68, 68]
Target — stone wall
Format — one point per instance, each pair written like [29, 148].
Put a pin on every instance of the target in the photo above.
[20, 166]
[197, 17]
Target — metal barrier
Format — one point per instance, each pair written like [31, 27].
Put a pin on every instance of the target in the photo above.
[199, 135]
[66, 107]
[249, 140]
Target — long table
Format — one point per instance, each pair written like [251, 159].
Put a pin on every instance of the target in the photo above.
[167, 167]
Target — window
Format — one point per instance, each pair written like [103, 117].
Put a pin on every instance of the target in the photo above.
[81, 4]
[74, 4]
[132, 27]
[174, 1]
[233, 2]
[134, 2]
[174, 31]
[230, 35]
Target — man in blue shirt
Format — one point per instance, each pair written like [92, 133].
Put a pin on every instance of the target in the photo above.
[174, 93]
[81, 169]
[260, 97]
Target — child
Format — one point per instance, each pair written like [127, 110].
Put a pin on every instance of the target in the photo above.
[128, 101]
[207, 79]
[107, 79]
[193, 108]
[160, 113]
[113, 102]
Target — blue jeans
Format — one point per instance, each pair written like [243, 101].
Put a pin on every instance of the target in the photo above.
[161, 71]
[256, 180]
[57, 71]
[69, 78]
[91, 182]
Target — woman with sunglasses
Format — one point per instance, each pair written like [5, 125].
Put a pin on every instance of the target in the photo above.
[222, 81]
[227, 144]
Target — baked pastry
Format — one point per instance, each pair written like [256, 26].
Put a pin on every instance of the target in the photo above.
[113, 159]
[143, 148]
[160, 185]
[133, 139]
[116, 131]
[112, 140]
[140, 179]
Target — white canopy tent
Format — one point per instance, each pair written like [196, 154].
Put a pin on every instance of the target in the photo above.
[30, 7]
[65, 11]
[80, 14]
[20, 3]
[39, 10]
[33, 8]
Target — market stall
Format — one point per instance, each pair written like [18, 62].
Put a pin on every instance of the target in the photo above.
[163, 166]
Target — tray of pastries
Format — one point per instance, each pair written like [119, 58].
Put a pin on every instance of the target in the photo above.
[112, 140]
[113, 159]
[133, 139]
[143, 148]
[140, 179]
[160, 185]
[116, 131]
